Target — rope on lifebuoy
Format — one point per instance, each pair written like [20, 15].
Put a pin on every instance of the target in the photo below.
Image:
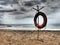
[44, 20]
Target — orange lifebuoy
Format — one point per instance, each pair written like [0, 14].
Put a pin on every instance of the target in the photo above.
[44, 20]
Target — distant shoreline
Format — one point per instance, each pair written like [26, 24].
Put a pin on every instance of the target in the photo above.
[29, 30]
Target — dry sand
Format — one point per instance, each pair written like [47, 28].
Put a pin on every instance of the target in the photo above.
[29, 37]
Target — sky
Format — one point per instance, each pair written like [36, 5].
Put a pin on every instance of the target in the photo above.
[24, 16]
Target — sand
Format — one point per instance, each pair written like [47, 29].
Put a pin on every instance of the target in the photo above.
[11, 37]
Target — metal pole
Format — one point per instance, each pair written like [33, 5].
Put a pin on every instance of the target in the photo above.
[38, 31]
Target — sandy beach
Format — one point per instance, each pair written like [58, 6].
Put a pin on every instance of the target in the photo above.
[23, 37]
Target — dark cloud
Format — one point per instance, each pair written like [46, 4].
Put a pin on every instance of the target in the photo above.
[23, 17]
[43, 0]
[23, 9]
[31, 3]
[8, 2]
[17, 13]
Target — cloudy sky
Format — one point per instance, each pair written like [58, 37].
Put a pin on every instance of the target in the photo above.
[24, 16]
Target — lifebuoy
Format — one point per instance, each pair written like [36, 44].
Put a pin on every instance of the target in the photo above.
[44, 20]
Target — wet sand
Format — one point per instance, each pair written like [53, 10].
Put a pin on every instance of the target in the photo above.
[24, 37]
